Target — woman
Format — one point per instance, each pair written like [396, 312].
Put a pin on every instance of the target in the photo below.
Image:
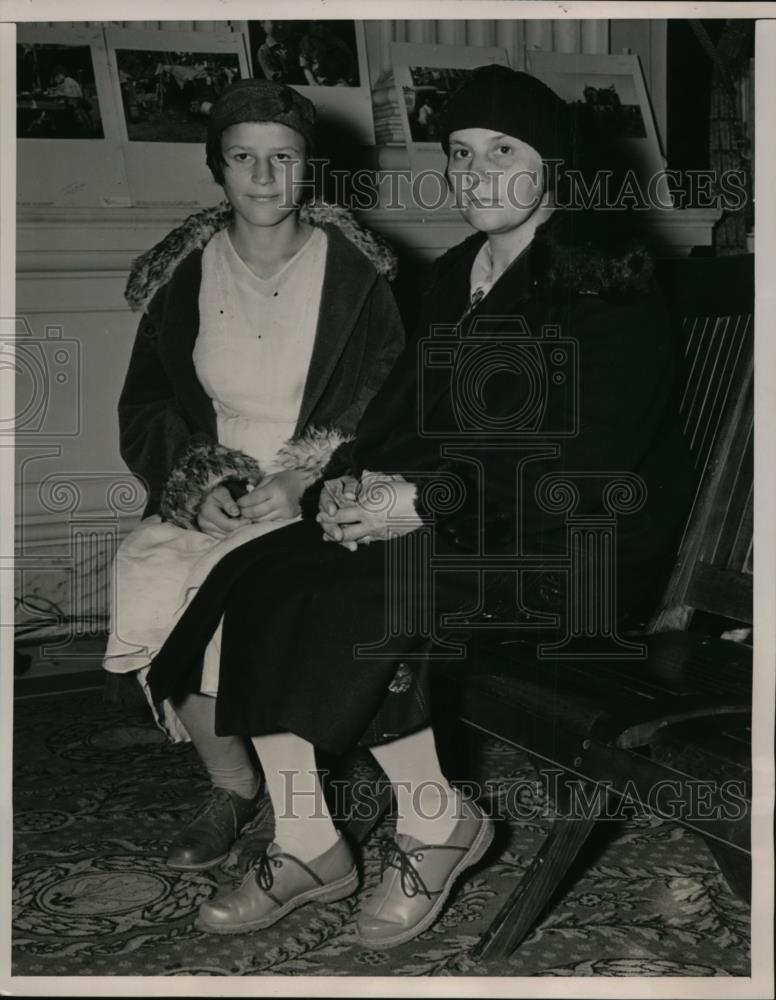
[270, 326]
[296, 606]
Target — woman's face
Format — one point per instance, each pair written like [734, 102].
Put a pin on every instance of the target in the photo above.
[264, 164]
[497, 179]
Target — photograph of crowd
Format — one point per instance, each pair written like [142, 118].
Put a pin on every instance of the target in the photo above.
[56, 95]
[167, 96]
[425, 99]
[305, 53]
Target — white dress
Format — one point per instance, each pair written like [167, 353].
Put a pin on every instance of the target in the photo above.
[252, 355]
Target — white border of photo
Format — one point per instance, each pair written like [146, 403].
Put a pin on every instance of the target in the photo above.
[345, 110]
[566, 74]
[429, 155]
[168, 173]
[51, 171]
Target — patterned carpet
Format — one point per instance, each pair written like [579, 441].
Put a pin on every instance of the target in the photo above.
[98, 793]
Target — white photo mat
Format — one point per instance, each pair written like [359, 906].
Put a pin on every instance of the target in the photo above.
[169, 172]
[50, 171]
[570, 74]
[346, 111]
[407, 59]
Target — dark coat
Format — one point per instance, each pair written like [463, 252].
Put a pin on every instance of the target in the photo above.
[164, 412]
[295, 607]
[620, 405]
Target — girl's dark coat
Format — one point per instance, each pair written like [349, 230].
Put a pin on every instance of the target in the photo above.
[295, 607]
[167, 422]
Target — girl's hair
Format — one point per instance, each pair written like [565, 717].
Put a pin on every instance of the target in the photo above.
[254, 100]
[214, 155]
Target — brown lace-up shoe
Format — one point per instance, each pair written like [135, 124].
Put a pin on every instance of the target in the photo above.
[278, 884]
[416, 879]
[205, 841]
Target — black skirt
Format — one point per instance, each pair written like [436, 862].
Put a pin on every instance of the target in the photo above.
[331, 644]
[296, 610]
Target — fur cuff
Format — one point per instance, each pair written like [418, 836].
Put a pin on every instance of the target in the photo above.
[200, 468]
[311, 452]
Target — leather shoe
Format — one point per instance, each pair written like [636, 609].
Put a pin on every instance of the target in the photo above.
[416, 879]
[278, 884]
[205, 841]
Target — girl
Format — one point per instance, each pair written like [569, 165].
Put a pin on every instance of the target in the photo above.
[270, 327]
[291, 674]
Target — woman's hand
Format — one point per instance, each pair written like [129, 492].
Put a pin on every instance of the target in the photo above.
[335, 495]
[384, 508]
[276, 497]
[219, 514]
[338, 493]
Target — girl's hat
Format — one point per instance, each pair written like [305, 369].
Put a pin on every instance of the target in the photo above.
[514, 103]
[261, 101]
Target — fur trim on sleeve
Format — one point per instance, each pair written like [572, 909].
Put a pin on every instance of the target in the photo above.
[312, 450]
[200, 468]
[154, 268]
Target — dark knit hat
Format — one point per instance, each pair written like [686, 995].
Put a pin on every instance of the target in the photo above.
[257, 101]
[517, 104]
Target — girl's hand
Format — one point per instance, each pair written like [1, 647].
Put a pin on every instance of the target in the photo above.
[276, 497]
[219, 514]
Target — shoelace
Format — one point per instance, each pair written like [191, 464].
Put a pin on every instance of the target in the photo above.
[211, 803]
[262, 871]
[393, 856]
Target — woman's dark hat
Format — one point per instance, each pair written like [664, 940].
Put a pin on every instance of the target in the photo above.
[515, 103]
[262, 101]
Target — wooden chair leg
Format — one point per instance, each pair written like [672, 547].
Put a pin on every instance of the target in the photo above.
[736, 868]
[526, 904]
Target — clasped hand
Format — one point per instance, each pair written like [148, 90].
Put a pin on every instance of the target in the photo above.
[275, 498]
[355, 512]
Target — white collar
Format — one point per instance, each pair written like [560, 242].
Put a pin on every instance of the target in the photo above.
[482, 277]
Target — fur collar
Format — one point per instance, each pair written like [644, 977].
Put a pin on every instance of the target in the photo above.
[582, 253]
[154, 268]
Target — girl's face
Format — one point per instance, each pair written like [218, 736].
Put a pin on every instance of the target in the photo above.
[497, 179]
[263, 164]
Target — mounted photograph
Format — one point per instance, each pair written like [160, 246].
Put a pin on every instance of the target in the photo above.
[56, 93]
[426, 76]
[326, 61]
[167, 96]
[67, 126]
[305, 53]
[164, 84]
[610, 98]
